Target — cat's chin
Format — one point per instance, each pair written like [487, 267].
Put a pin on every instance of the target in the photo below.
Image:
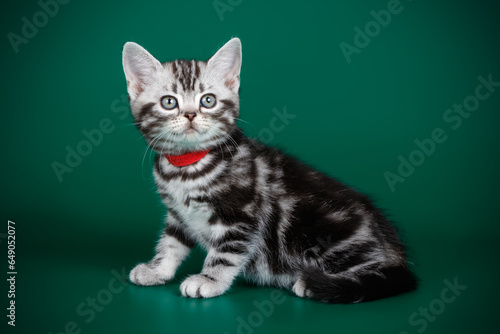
[193, 136]
[189, 140]
[190, 131]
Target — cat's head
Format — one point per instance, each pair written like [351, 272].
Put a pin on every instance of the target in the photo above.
[184, 105]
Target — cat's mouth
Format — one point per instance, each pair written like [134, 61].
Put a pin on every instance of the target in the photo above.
[191, 130]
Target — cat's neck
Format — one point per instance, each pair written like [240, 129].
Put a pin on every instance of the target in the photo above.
[225, 147]
[187, 158]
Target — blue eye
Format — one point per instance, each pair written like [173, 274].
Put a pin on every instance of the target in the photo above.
[208, 101]
[168, 102]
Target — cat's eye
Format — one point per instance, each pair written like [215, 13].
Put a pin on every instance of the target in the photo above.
[208, 101]
[168, 102]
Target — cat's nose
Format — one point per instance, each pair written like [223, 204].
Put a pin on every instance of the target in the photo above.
[190, 115]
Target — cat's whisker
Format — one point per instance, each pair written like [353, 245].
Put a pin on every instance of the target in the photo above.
[214, 133]
[233, 142]
[155, 139]
[158, 138]
[224, 141]
[142, 162]
[242, 120]
[123, 125]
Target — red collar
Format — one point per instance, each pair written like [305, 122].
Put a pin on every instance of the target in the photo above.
[186, 159]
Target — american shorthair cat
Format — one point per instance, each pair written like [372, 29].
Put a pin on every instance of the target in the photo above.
[257, 211]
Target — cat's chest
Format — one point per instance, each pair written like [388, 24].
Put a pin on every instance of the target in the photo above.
[188, 203]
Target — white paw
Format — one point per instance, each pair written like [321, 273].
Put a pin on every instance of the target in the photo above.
[299, 288]
[201, 286]
[142, 274]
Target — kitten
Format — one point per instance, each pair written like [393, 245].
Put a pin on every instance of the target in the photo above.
[257, 212]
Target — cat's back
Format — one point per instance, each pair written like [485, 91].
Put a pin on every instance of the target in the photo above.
[296, 178]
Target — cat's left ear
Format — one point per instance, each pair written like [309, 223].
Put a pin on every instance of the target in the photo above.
[140, 68]
[225, 64]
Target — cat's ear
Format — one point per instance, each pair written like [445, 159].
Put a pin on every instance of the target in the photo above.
[140, 68]
[225, 64]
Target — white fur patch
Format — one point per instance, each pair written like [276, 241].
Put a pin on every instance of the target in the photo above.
[300, 289]
[199, 286]
[169, 255]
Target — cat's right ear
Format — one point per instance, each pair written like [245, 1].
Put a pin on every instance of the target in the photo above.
[140, 68]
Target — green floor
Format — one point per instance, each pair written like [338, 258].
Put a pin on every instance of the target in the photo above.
[378, 118]
[78, 283]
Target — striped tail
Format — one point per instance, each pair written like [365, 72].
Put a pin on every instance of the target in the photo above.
[385, 282]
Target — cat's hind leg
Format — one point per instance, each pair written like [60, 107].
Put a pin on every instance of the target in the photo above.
[300, 289]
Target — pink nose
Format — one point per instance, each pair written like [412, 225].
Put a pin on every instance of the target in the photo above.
[190, 115]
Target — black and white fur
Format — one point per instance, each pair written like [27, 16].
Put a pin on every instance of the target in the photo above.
[257, 211]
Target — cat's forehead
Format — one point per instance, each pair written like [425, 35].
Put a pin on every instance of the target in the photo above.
[185, 75]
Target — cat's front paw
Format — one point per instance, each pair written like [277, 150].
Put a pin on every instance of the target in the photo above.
[145, 275]
[202, 286]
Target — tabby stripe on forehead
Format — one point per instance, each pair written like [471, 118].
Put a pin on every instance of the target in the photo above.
[196, 74]
[187, 73]
[192, 77]
[196, 70]
[174, 67]
[184, 74]
[189, 81]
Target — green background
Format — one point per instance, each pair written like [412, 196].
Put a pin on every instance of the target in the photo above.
[352, 120]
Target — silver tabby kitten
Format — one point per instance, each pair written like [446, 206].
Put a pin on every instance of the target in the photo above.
[257, 211]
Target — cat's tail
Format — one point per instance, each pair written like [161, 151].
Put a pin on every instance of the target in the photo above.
[364, 287]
